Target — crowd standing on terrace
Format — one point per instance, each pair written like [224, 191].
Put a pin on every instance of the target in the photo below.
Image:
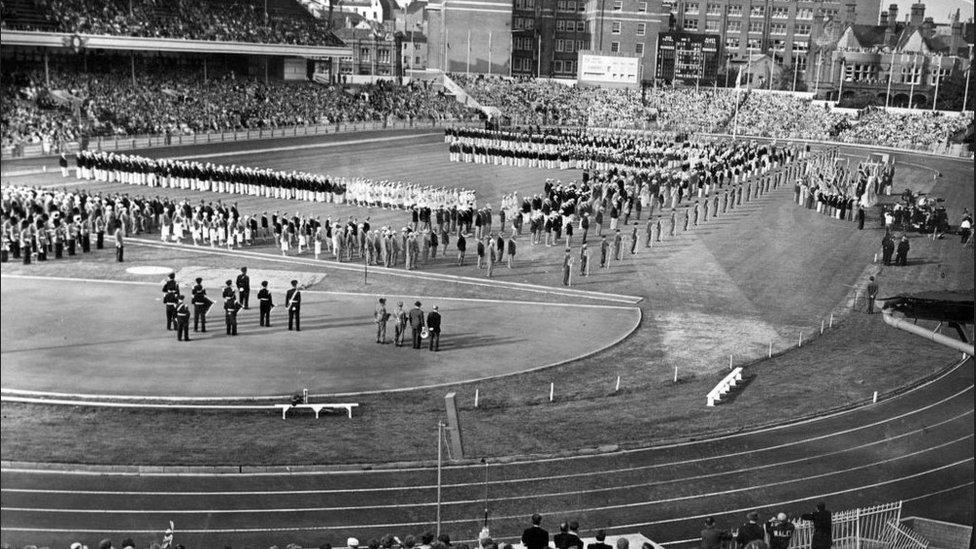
[224, 20]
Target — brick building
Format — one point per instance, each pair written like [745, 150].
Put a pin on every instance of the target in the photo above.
[470, 36]
[627, 27]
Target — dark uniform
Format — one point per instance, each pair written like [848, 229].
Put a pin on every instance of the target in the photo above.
[434, 330]
[182, 321]
[170, 301]
[293, 299]
[244, 287]
[265, 304]
[201, 304]
[231, 306]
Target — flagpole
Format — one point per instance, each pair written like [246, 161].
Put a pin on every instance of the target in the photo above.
[538, 67]
[467, 67]
[489, 53]
[938, 78]
[891, 74]
[447, 34]
[911, 89]
[816, 86]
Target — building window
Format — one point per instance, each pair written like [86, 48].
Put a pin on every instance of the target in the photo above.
[755, 26]
[618, 5]
[384, 56]
[529, 23]
[754, 44]
[757, 11]
[802, 29]
[732, 44]
[615, 27]
[800, 46]
[579, 45]
[733, 26]
[581, 26]
[560, 25]
[780, 13]
[559, 45]
[364, 54]
[614, 47]
[804, 13]
[711, 26]
[571, 6]
[641, 29]
[557, 65]
[691, 8]
[561, 5]
[639, 48]
[777, 28]
[735, 10]
[642, 7]
[714, 9]
[690, 25]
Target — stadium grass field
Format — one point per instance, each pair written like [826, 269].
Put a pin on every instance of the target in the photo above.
[767, 273]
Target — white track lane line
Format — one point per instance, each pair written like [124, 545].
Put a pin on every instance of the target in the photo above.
[885, 440]
[568, 458]
[326, 145]
[569, 512]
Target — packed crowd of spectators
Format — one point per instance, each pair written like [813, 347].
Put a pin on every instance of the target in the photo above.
[175, 100]
[219, 20]
[707, 110]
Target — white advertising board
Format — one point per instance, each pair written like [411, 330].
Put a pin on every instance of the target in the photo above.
[606, 69]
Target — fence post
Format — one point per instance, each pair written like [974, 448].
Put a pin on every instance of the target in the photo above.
[552, 390]
[857, 528]
[476, 395]
[617, 388]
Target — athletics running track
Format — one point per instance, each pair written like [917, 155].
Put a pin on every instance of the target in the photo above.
[916, 446]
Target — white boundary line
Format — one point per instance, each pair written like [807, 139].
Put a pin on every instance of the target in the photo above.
[567, 458]
[570, 512]
[418, 488]
[676, 499]
[425, 275]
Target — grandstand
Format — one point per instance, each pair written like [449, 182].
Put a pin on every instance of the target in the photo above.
[631, 256]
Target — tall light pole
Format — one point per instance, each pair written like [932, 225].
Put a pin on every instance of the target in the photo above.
[891, 75]
[938, 79]
[911, 89]
[840, 88]
[969, 73]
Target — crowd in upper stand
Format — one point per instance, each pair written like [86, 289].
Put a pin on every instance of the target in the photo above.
[170, 99]
[223, 20]
[173, 98]
[718, 110]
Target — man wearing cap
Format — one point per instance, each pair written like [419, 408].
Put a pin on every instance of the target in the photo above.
[200, 305]
[293, 300]
[243, 287]
[400, 326]
[380, 316]
[231, 306]
[750, 531]
[535, 537]
[170, 301]
[434, 329]
[182, 319]
[416, 317]
[265, 303]
[780, 531]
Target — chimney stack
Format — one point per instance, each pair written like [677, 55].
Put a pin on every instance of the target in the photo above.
[884, 19]
[892, 16]
[955, 39]
[918, 15]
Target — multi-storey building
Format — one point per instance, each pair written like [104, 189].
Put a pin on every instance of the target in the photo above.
[894, 63]
[373, 53]
[470, 36]
[780, 28]
[628, 28]
[547, 36]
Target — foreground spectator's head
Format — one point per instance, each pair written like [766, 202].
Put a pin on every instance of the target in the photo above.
[536, 519]
[623, 543]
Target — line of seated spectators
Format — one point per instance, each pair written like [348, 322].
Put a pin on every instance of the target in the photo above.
[176, 100]
[218, 20]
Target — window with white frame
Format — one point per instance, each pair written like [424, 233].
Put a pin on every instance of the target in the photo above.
[557, 65]
[804, 13]
[618, 5]
[735, 10]
[756, 26]
[639, 48]
[581, 26]
[641, 29]
[757, 11]
[733, 27]
[691, 8]
[615, 27]
[642, 7]
[732, 43]
[779, 13]
[713, 9]
[614, 47]
[802, 29]
[777, 28]
[690, 25]
[712, 25]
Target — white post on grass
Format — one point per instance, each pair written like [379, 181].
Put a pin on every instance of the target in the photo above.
[476, 395]
[552, 391]
[730, 362]
[875, 398]
[830, 324]
[676, 373]
[822, 326]
[305, 395]
[770, 348]
[617, 388]
[799, 339]
[875, 257]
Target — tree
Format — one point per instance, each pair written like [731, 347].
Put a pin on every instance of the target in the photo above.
[784, 79]
[952, 90]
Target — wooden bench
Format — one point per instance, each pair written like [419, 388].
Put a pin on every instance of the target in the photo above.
[723, 387]
[317, 408]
